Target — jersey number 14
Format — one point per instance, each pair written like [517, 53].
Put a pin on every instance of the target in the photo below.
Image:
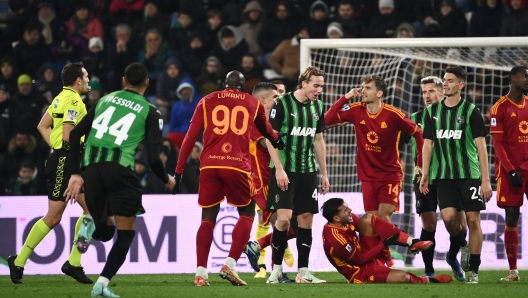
[119, 129]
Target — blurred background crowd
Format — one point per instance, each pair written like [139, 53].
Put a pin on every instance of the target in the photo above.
[188, 46]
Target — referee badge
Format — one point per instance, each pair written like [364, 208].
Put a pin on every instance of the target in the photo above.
[315, 116]
[461, 120]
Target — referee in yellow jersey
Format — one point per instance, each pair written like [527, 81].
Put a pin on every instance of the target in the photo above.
[66, 110]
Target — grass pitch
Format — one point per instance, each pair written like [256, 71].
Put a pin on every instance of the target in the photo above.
[181, 285]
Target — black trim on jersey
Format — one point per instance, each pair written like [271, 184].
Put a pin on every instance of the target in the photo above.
[289, 137]
[463, 143]
[82, 128]
[301, 120]
[154, 140]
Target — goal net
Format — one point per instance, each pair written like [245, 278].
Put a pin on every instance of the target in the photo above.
[403, 63]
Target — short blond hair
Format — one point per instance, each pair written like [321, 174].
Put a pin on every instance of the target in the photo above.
[308, 73]
[434, 80]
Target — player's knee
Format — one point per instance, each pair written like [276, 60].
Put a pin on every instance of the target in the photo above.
[512, 216]
[282, 223]
[473, 221]
[429, 226]
[52, 220]
[103, 232]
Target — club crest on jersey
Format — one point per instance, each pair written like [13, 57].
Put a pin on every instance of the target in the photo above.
[273, 113]
[72, 115]
[461, 120]
[315, 116]
[493, 122]
[161, 124]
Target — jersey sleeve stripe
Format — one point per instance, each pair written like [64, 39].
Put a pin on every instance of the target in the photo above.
[396, 111]
[494, 131]
[204, 113]
[256, 110]
[495, 107]
[338, 237]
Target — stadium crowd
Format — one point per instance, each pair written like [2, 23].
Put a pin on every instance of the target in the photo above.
[188, 46]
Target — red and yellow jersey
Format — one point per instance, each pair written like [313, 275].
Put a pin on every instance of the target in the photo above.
[510, 120]
[377, 135]
[260, 160]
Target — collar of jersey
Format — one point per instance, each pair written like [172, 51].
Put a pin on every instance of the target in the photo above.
[69, 89]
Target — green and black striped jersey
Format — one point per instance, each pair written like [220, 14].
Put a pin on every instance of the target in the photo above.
[419, 118]
[298, 123]
[453, 131]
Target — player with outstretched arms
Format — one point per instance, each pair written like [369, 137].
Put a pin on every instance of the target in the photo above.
[378, 127]
[227, 117]
[454, 133]
[509, 130]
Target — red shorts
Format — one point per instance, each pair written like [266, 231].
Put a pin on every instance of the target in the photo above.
[215, 184]
[508, 195]
[378, 192]
[373, 272]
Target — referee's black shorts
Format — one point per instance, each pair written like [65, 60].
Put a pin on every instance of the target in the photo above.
[57, 174]
[111, 189]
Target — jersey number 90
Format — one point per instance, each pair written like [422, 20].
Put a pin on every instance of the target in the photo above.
[225, 120]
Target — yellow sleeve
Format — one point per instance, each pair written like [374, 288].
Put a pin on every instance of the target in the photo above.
[73, 111]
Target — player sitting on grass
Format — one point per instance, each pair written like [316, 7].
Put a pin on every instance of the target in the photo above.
[358, 260]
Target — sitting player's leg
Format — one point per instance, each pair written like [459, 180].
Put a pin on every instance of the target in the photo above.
[398, 276]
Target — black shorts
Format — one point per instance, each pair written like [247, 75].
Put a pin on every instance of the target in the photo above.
[428, 202]
[462, 194]
[57, 174]
[301, 195]
[111, 189]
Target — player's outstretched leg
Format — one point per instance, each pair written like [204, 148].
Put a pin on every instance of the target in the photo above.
[72, 267]
[385, 229]
[84, 235]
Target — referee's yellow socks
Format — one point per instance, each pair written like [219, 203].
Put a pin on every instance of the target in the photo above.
[262, 230]
[37, 233]
[75, 255]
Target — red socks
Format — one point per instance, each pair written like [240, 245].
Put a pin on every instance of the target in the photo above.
[240, 236]
[204, 238]
[511, 239]
[418, 279]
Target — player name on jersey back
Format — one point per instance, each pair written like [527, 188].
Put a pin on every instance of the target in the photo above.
[125, 103]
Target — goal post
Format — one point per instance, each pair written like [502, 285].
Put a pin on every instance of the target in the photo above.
[403, 63]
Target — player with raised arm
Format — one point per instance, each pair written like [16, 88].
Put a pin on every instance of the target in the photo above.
[115, 127]
[266, 93]
[426, 204]
[227, 117]
[357, 260]
[378, 127]
[509, 130]
[65, 111]
[293, 184]
[454, 134]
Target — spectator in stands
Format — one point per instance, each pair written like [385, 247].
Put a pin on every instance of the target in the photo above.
[182, 111]
[230, 47]
[7, 120]
[153, 18]
[334, 30]
[154, 55]
[367, 9]
[285, 58]
[451, 20]
[480, 24]
[195, 53]
[25, 183]
[53, 30]
[384, 25]
[101, 10]
[22, 146]
[48, 84]
[120, 55]
[24, 11]
[125, 11]
[253, 21]
[95, 93]
[31, 52]
[212, 77]
[95, 61]
[318, 21]
[172, 156]
[214, 23]
[150, 184]
[348, 18]
[166, 87]
[276, 29]
[516, 22]
[190, 183]
[82, 26]
[198, 9]
[251, 71]
[405, 30]
[425, 12]
[64, 9]
[8, 76]
[179, 34]
[30, 105]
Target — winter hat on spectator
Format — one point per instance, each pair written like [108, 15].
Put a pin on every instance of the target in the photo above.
[46, 4]
[199, 146]
[334, 26]
[24, 79]
[386, 3]
[95, 85]
[96, 41]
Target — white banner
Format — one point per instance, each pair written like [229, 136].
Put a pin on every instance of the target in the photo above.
[166, 237]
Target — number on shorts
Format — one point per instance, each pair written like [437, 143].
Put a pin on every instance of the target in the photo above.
[228, 121]
[119, 129]
[475, 195]
[315, 195]
[394, 190]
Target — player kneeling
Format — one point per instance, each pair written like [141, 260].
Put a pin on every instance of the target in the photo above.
[359, 260]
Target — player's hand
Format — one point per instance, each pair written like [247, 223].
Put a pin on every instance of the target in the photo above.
[418, 172]
[74, 188]
[177, 181]
[485, 189]
[325, 185]
[353, 94]
[169, 186]
[278, 144]
[391, 240]
[515, 178]
[424, 183]
[282, 179]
